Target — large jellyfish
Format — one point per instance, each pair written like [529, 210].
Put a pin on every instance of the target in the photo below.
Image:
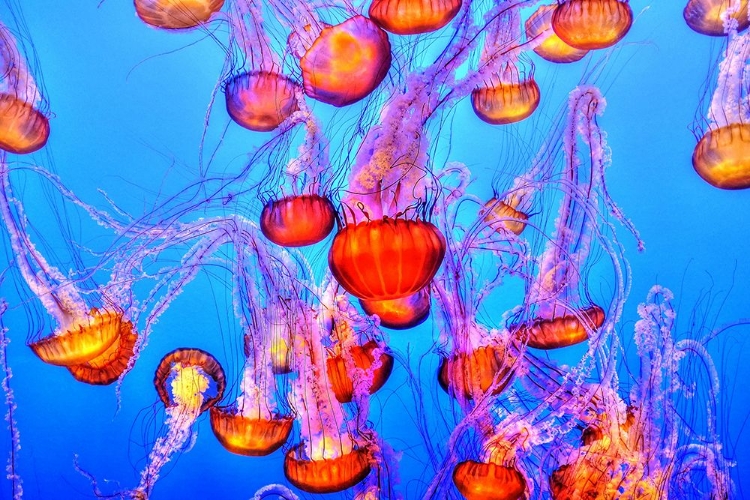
[722, 156]
[177, 14]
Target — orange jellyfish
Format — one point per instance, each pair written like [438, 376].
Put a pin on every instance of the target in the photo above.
[722, 156]
[412, 17]
[505, 216]
[95, 345]
[400, 314]
[330, 458]
[23, 127]
[467, 374]
[346, 62]
[177, 14]
[189, 382]
[386, 259]
[509, 95]
[258, 96]
[343, 363]
[592, 24]
[296, 221]
[488, 481]
[560, 319]
[552, 48]
[712, 17]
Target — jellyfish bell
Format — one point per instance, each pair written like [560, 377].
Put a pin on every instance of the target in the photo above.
[249, 435]
[466, 374]
[346, 62]
[592, 24]
[326, 475]
[177, 14]
[400, 314]
[504, 216]
[706, 16]
[84, 340]
[298, 220]
[488, 481]
[193, 366]
[553, 49]
[260, 100]
[23, 128]
[386, 259]
[112, 363]
[722, 156]
[561, 329]
[412, 17]
[363, 357]
[506, 100]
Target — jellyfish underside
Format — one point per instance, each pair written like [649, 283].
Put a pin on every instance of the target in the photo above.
[704, 16]
[400, 314]
[561, 330]
[592, 24]
[488, 481]
[177, 14]
[260, 100]
[504, 103]
[249, 435]
[722, 156]
[552, 49]
[23, 128]
[297, 221]
[326, 475]
[412, 17]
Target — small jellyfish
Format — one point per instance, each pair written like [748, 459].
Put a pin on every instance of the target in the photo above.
[505, 216]
[488, 481]
[258, 95]
[177, 14]
[552, 48]
[386, 259]
[24, 128]
[400, 314]
[412, 17]
[363, 359]
[716, 17]
[592, 24]
[562, 329]
[466, 374]
[511, 94]
[346, 62]
[299, 220]
[189, 382]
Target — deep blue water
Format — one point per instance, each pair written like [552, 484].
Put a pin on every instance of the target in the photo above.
[128, 106]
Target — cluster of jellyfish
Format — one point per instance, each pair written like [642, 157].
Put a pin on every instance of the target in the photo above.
[405, 244]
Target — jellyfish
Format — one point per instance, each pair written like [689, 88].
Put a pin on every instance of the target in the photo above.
[511, 94]
[716, 17]
[412, 17]
[592, 24]
[189, 382]
[254, 425]
[488, 481]
[560, 320]
[24, 126]
[552, 48]
[505, 216]
[722, 155]
[259, 96]
[330, 457]
[177, 14]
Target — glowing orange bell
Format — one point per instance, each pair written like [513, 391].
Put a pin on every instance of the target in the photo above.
[411, 17]
[346, 62]
[260, 100]
[243, 435]
[488, 481]
[561, 331]
[592, 24]
[297, 221]
[176, 14]
[326, 475]
[109, 365]
[23, 129]
[722, 156]
[502, 216]
[467, 373]
[504, 103]
[386, 259]
[704, 16]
